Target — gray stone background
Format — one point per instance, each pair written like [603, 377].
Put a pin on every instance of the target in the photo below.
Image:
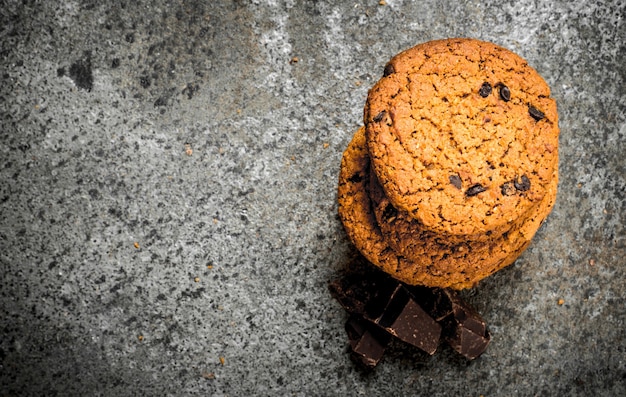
[168, 209]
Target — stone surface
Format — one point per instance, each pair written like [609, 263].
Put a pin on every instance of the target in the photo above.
[168, 216]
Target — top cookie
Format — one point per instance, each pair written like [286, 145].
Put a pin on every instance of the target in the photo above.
[462, 134]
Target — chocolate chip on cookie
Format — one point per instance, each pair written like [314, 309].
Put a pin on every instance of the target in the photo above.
[474, 190]
[388, 70]
[535, 113]
[505, 93]
[522, 184]
[485, 90]
[455, 180]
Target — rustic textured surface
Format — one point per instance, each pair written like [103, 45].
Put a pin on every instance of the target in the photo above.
[189, 128]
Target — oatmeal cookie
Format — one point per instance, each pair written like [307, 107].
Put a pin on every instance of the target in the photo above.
[463, 136]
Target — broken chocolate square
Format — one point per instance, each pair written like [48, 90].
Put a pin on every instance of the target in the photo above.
[379, 303]
[415, 327]
[465, 315]
[367, 342]
[468, 343]
[403, 318]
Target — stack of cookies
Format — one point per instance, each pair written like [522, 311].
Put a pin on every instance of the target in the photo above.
[456, 166]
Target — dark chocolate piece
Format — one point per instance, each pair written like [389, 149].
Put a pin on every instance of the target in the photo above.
[535, 113]
[455, 180]
[467, 343]
[474, 190]
[389, 69]
[380, 310]
[415, 327]
[394, 310]
[508, 189]
[485, 90]
[465, 315]
[463, 328]
[522, 184]
[367, 342]
[434, 300]
[379, 116]
[505, 93]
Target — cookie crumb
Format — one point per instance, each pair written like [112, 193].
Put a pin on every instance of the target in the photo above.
[382, 3]
[196, 279]
[188, 149]
[294, 60]
[222, 360]
[136, 245]
[326, 145]
[592, 262]
[140, 338]
[560, 302]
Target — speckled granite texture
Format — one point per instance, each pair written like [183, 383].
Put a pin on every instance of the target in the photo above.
[168, 178]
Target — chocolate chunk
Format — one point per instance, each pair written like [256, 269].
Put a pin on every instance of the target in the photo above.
[367, 342]
[467, 343]
[485, 90]
[390, 213]
[415, 327]
[389, 69]
[522, 184]
[379, 116]
[386, 288]
[474, 190]
[465, 315]
[508, 189]
[455, 180]
[535, 113]
[396, 312]
[434, 300]
[463, 328]
[505, 93]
